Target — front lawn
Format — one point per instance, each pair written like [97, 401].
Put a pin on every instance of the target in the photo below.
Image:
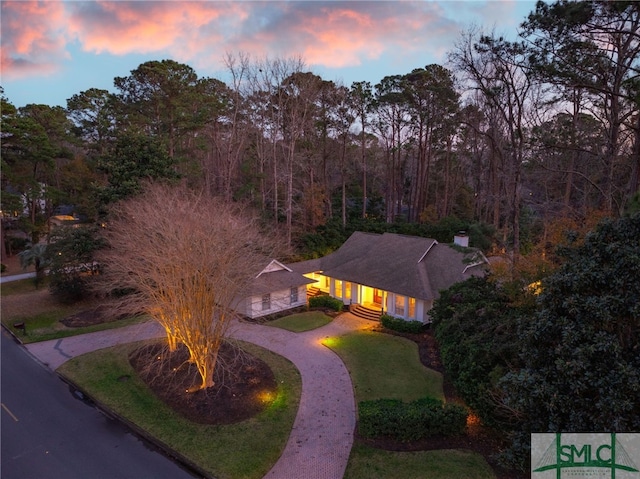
[385, 366]
[246, 450]
[366, 463]
[41, 314]
[47, 325]
[22, 286]
[298, 323]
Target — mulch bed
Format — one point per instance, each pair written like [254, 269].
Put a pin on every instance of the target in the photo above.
[243, 383]
[90, 317]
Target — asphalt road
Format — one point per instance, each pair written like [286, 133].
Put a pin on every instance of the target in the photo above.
[48, 433]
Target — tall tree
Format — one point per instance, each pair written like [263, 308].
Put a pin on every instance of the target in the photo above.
[132, 160]
[94, 117]
[392, 124]
[270, 105]
[177, 253]
[35, 145]
[433, 102]
[296, 97]
[159, 99]
[593, 46]
[235, 130]
[362, 104]
[495, 69]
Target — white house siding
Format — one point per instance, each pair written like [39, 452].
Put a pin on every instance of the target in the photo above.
[347, 291]
[278, 301]
[353, 293]
[420, 312]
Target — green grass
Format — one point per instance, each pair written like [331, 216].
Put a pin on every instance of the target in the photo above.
[238, 451]
[22, 286]
[46, 326]
[366, 462]
[302, 321]
[385, 366]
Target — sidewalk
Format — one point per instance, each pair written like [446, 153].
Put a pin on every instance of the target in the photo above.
[322, 434]
[16, 277]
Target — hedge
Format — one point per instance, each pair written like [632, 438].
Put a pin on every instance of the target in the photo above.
[412, 421]
[326, 301]
[402, 325]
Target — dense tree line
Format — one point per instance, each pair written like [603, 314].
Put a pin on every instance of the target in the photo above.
[506, 133]
[561, 356]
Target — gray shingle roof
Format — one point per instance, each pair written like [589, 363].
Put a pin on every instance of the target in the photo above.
[277, 281]
[408, 265]
[269, 282]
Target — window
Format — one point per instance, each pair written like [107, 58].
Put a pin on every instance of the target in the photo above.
[412, 308]
[347, 290]
[399, 305]
[266, 302]
[294, 295]
[338, 288]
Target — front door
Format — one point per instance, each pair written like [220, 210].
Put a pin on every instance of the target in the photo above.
[377, 297]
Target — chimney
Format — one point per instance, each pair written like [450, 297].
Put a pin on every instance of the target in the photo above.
[461, 239]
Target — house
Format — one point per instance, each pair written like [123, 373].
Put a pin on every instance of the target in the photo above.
[275, 288]
[394, 274]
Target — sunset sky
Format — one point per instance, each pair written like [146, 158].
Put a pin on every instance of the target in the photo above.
[52, 50]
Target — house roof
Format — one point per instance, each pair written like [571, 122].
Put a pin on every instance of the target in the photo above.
[408, 265]
[276, 276]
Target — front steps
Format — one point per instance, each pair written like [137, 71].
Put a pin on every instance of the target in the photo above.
[312, 292]
[364, 312]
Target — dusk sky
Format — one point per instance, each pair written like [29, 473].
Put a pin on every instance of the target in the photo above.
[52, 50]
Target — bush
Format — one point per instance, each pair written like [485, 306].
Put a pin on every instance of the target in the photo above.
[68, 288]
[325, 301]
[410, 421]
[3, 267]
[402, 325]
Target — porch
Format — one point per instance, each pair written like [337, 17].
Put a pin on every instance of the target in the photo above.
[370, 311]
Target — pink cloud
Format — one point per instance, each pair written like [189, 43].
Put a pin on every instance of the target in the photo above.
[345, 34]
[33, 41]
[332, 34]
[121, 28]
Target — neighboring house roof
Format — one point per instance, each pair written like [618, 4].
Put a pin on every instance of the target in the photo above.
[276, 276]
[408, 265]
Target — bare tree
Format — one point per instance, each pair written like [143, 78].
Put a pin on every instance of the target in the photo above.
[494, 69]
[184, 259]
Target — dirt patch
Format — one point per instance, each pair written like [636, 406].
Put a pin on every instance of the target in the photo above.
[91, 316]
[244, 384]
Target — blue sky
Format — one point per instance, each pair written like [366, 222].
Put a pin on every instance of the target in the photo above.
[52, 50]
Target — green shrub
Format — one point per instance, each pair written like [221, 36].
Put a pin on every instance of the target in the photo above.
[325, 301]
[3, 267]
[68, 288]
[402, 325]
[410, 421]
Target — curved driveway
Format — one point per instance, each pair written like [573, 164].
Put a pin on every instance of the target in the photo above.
[322, 434]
